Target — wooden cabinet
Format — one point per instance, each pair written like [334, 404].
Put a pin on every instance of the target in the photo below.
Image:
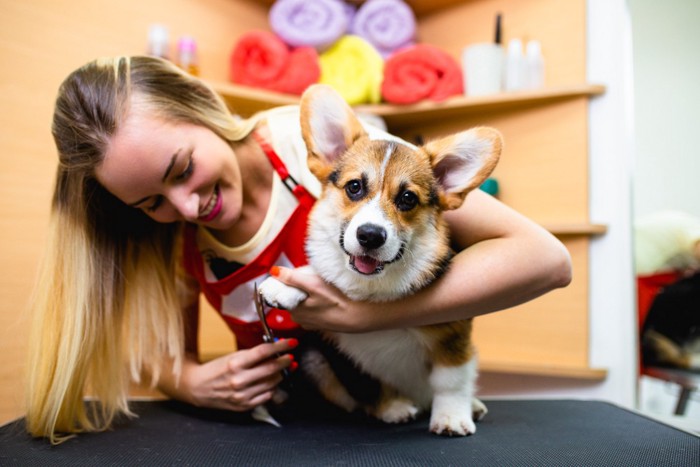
[543, 172]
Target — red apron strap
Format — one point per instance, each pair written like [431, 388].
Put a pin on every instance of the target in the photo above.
[277, 164]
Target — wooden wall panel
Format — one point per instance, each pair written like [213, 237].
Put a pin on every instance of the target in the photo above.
[543, 171]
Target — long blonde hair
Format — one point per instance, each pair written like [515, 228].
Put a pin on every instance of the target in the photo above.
[106, 306]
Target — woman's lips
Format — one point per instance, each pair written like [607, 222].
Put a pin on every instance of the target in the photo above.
[213, 207]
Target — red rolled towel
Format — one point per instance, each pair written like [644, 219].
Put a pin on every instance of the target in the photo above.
[420, 72]
[261, 59]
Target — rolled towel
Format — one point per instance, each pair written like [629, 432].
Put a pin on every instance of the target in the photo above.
[419, 72]
[354, 68]
[312, 23]
[260, 59]
[386, 24]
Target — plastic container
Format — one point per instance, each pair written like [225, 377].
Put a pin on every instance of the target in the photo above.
[515, 68]
[187, 55]
[534, 64]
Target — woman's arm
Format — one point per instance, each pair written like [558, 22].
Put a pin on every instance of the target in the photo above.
[506, 260]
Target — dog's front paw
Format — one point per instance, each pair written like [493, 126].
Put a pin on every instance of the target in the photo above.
[452, 424]
[279, 295]
[452, 419]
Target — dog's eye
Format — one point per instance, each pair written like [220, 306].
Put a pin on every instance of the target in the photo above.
[406, 200]
[354, 189]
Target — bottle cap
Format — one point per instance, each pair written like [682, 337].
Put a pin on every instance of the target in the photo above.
[187, 44]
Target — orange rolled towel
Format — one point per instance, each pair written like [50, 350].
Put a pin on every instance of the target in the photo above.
[261, 59]
[420, 72]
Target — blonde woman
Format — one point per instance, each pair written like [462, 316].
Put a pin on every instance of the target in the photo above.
[162, 195]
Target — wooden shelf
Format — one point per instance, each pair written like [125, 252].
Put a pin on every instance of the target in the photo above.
[402, 116]
[246, 101]
[591, 374]
[576, 229]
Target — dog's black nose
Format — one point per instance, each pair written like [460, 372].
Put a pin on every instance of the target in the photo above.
[371, 236]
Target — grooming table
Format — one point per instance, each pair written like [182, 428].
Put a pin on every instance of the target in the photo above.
[524, 432]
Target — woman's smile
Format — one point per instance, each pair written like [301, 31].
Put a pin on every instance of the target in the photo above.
[213, 207]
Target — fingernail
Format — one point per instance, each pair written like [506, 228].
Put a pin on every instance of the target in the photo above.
[275, 271]
[294, 366]
[292, 342]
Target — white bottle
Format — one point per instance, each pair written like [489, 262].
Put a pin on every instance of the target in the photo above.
[515, 69]
[535, 65]
[158, 41]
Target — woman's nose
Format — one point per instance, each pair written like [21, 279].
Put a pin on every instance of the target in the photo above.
[186, 203]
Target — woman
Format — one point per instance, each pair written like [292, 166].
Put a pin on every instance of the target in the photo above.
[154, 174]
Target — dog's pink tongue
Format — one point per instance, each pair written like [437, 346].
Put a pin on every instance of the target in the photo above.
[366, 264]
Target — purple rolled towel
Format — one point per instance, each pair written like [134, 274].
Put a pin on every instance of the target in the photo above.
[314, 23]
[388, 25]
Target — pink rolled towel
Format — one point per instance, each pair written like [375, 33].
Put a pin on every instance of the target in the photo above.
[420, 72]
[261, 59]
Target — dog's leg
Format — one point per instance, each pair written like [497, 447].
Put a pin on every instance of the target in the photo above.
[453, 399]
[316, 368]
[279, 295]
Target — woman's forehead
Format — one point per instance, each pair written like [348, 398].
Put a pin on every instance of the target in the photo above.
[138, 153]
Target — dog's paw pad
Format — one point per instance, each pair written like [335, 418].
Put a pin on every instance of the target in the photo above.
[279, 295]
[397, 411]
[446, 424]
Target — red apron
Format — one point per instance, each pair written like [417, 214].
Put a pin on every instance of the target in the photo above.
[232, 296]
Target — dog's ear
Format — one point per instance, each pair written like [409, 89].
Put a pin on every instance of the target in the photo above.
[462, 162]
[329, 127]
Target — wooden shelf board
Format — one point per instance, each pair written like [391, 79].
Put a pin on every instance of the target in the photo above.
[576, 229]
[401, 116]
[245, 101]
[592, 374]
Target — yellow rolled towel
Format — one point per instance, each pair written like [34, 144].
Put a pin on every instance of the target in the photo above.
[354, 68]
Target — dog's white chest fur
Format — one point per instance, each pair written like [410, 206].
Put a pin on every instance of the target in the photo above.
[395, 356]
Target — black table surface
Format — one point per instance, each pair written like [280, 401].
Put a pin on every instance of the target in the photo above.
[522, 432]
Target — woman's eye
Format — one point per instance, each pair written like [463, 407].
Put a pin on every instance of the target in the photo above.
[354, 189]
[156, 204]
[406, 200]
[188, 170]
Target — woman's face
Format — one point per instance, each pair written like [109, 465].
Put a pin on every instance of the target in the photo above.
[173, 171]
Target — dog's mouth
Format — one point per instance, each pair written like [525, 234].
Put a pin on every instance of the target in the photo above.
[366, 265]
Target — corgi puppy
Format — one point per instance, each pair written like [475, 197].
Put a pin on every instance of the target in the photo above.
[377, 234]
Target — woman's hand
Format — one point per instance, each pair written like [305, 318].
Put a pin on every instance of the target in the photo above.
[326, 307]
[239, 381]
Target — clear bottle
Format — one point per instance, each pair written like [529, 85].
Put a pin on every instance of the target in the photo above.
[187, 55]
[159, 41]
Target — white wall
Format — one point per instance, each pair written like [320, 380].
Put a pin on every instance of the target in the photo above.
[667, 101]
[612, 326]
